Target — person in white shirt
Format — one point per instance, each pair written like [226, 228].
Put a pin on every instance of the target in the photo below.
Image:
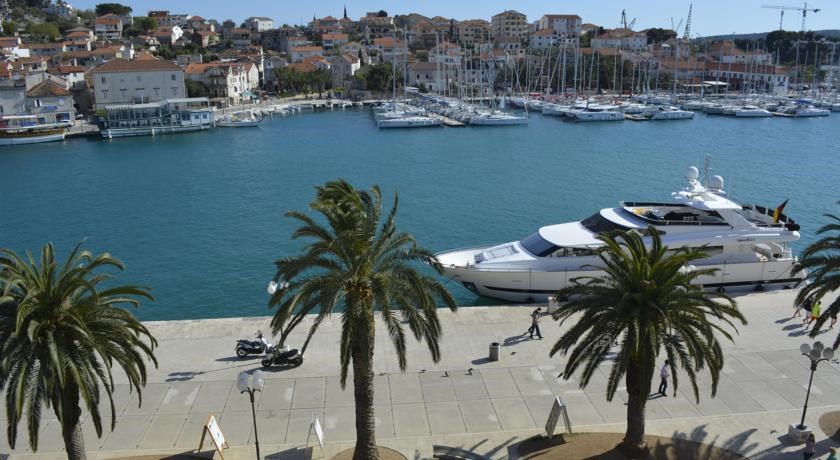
[664, 373]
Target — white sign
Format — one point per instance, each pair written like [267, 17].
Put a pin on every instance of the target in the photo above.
[212, 426]
[319, 432]
[558, 409]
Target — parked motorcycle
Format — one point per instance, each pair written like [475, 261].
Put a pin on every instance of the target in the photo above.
[284, 357]
[253, 347]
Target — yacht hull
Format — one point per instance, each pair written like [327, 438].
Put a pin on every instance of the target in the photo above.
[521, 285]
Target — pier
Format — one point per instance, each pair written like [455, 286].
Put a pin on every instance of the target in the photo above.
[465, 400]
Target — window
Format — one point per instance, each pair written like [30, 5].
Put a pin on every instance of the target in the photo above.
[596, 223]
[105, 93]
[138, 78]
[174, 90]
[157, 91]
[103, 79]
[173, 77]
[538, 246]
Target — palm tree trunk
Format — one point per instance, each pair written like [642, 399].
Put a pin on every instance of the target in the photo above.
[71, 426]
[362, 355]
[638, 389]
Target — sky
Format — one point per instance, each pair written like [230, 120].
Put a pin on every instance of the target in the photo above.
[709, 17]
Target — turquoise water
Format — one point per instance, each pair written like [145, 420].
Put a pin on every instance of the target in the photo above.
[199, 217]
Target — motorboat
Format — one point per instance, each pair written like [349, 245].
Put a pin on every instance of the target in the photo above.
[671, 113]
[752, 111]
[408, 121]
[27, 129]
[747, 244]
[597, 112]
[497, 119]
[244, 119]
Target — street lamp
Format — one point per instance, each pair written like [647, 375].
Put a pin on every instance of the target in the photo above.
[274, 286]
[816, 354]
[250, 384]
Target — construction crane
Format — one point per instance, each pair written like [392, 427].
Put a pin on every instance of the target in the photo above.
[687, 32]
[804, 9]
[624, 22]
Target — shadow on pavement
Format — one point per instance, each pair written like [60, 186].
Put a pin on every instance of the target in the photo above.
[513, 340]
[296, 453]
[228, 359]
[189, 375]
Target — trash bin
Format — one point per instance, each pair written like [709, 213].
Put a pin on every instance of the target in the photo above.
[495, 351]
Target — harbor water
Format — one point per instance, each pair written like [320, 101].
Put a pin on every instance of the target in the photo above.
[199, 217]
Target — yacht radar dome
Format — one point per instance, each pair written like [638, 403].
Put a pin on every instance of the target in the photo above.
[716, 183]
[692, 173]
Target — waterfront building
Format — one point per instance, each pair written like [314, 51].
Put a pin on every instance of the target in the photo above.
[752, 77]
[259, 23]
[567, 27]
[271, 65]
[726, 52]
[162, 117]
[12, 92]
[509, 23]
[229, 83]
[343, 68]
[108, 27]
[171, 20]
[473, 32]
[74, 75]
[543, 39]
[121, 81]
[51, 102]
[429, 75]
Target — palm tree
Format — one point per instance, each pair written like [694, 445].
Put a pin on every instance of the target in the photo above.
[61, 332]
[821, 260]
[359, 265]
[646, 302]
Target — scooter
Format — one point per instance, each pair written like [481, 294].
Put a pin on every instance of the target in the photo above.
[283, 357]
[253, 347]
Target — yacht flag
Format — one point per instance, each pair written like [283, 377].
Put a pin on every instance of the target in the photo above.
[778, 212]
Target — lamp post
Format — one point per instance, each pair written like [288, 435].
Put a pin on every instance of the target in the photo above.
[816, 354]
[250, 384]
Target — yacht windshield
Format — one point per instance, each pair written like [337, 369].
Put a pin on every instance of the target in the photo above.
[598, 224]
[538, 246]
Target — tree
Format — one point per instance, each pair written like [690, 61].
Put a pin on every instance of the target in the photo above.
[646, 302]
[657, 35]
[62, 329]
[363, 267]
[196, 89]
[379, 77]
[382, 14]
[9, 28]
[144, 24]
[44, 30]
[821, 261]
[112, 8]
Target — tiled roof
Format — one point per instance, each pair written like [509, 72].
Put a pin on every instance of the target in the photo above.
[47, 88]
[143, 65]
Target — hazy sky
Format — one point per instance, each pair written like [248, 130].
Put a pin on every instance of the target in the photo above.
[710, 17]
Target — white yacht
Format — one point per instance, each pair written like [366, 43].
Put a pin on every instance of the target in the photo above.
[747, 245]
[598, 112]
[671, 113]
[752, 111]
[497, 119]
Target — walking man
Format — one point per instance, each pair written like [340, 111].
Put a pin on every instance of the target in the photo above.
[815, 313]
[535, 323]
[664, 373]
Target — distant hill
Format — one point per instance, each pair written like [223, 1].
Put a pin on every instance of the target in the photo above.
[833, 33]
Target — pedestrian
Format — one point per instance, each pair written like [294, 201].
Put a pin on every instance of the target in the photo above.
[832, 453]
[810, 447]
[815, 313]
[535, 323]
[664, 373]
[833, 316]
[806, 305]
[809, 306]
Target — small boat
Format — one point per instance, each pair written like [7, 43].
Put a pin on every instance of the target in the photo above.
[408, 121]
[752, 111]
[671, 113]
[25, 129]
[497, 119]
[596, 112]
[246, 119]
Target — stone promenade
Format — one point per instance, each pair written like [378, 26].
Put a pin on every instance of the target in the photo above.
[463, 401]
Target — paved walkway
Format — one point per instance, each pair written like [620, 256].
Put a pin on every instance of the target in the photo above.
[464, 401]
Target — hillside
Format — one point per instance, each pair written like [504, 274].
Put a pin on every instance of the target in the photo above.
[833, 33]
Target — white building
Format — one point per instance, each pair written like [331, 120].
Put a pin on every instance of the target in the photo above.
[120, 81]
[259, 23]
[567, 27]
[62, 9]
[228, 82]
[620, 38]
[108, 27]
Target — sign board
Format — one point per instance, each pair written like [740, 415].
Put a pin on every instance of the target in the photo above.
[319, 432]
[211, 426]
[558, 409]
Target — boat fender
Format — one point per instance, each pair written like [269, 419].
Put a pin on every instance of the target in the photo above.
[721, 289]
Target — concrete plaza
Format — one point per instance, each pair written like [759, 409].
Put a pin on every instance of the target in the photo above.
[463, 401]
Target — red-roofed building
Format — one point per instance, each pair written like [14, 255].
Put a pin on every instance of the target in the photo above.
[567, 27]
[51, 102]
[108, 27]
[331, 40]
[120, 81]
[299, 53]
